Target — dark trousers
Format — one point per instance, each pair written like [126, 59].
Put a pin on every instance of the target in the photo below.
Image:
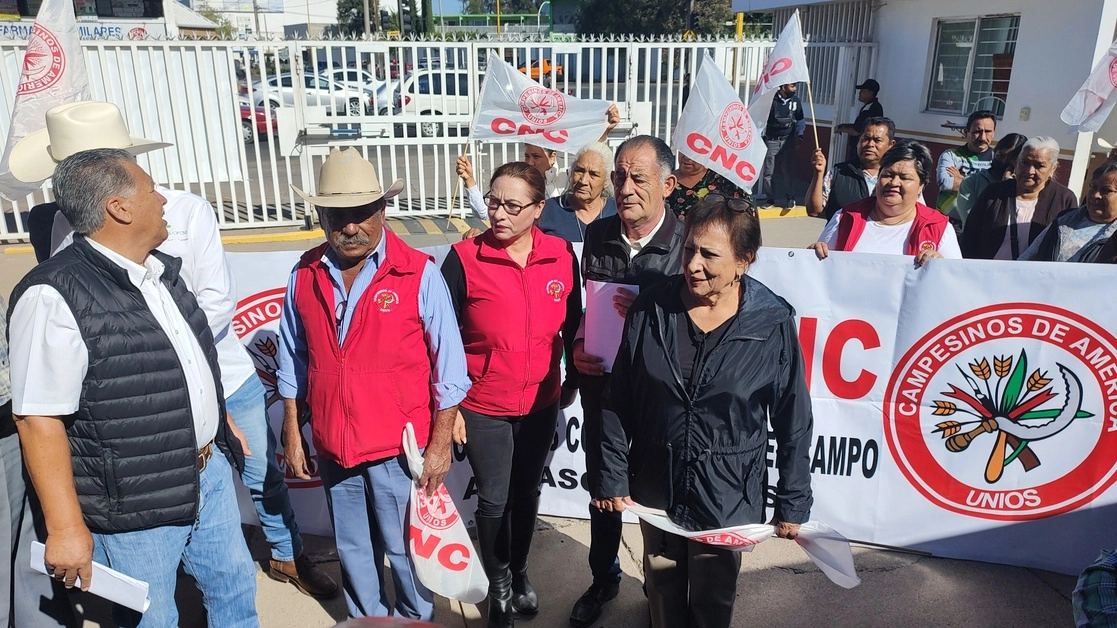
[688, 583]
[605, 527]
[777, 167]
[508, 455]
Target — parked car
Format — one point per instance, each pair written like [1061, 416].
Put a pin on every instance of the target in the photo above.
[280, 91]
[434, 92]
[352, 77]
[254, 123]
[386, 95]
[541, 71]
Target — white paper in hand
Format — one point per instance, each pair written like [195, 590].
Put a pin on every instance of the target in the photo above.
[105, 583]
[604, 324]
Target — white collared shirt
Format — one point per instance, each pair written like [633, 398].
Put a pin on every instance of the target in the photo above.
[194, 237]
[49, 357]
[636, 246]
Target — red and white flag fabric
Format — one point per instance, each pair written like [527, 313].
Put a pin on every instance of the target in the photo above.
[53, 74]
[1091, 105]
[514, 108]
[716, 130]
[787, 63]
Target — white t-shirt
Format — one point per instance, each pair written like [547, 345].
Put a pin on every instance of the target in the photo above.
[194, 237]
[887, 239]
[1024, 212]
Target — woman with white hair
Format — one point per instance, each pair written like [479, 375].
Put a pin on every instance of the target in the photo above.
[1010, 215]
[588, 198]
[1081, 235]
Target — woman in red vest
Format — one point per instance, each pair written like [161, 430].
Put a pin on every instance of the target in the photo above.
[893, 221]
[516, 293]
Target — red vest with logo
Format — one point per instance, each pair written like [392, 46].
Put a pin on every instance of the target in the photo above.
[362, 393]
[511, 319]
[926, 230]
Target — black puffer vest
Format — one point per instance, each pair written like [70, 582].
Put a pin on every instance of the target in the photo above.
[605, 256]
[847, 187]
[132, 440]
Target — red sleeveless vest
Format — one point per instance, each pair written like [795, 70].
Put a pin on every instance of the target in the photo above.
[361, 394]
[926, 230]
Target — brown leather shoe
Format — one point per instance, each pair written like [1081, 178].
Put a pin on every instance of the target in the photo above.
[306, 577]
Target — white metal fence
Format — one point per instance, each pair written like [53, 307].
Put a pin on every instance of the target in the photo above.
[406, 104]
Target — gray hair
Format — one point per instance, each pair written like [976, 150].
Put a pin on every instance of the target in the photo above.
[663, 155]
[84, 181]
[602, 150]
[1043, 143]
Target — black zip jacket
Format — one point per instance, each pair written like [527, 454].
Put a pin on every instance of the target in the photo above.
[698, 452]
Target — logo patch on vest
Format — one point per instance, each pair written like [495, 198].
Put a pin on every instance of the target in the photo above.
[386, 300]
[555, 288]
[927, 245]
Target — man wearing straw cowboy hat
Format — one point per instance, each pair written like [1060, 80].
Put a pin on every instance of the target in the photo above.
[117, 399]
[193, 237]
[368, 343]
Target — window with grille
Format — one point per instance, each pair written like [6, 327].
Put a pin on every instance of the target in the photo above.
[973, 64]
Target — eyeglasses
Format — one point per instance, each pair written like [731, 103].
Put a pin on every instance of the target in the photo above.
[739, 205]
[510, 208]
[339, 312]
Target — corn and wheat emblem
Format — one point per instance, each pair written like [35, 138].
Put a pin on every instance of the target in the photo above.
[1016, 407]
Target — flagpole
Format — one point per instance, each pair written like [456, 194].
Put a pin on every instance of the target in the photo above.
[466, 146]
[814, 122]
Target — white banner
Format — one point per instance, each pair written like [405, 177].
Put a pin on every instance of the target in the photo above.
[968, 408]
[53, 74]
[716, 130]
[514, 108]
[1093, 102]
[787, 63]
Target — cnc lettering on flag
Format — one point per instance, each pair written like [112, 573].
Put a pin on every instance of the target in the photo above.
[716, 130]
[514, 108]
[787, 63]
[1092, 104]
[1007, 412]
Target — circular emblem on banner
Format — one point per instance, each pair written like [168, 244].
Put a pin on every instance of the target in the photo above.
[137, 33]
[1008, 412]
[256, 323]
[386, 300]
[437, 511]
[542, 106]
[735, 126]
[555, 289]
[43, 63]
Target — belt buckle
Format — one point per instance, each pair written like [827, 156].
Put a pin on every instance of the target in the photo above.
[204, 455]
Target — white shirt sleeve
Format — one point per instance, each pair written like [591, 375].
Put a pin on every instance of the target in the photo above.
[208, 274]
[477, 202]
[948, 245]
[829, 235]
[48, 355]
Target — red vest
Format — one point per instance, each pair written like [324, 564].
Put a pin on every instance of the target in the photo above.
[511, 319]
[363, 393]
[926, 230]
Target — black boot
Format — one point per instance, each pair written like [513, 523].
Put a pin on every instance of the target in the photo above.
[524, 599]
[492, 535]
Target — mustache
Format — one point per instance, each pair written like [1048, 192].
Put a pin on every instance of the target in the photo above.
[350, 240]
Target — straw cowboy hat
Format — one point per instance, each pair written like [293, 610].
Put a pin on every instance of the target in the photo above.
[72, 128]
[348, 180]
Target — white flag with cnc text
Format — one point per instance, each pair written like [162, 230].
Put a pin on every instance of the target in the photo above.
[716, 130]
[787, 63]
[53, 74]
[514, 108]
[1091, 105]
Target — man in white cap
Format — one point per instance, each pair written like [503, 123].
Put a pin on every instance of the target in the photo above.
[117, 399]
[368, 343]
[193, 236]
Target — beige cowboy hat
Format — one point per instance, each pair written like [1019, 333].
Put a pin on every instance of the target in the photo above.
[72, 128]
[348, 180]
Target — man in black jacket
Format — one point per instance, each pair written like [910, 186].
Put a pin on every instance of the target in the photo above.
[639, 247]
[118, 403]
[850, 181]
[782, 134]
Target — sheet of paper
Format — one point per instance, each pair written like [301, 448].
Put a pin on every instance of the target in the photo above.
[604, 324]
[107, 583]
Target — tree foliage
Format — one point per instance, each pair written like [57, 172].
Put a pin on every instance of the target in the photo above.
[225, 28]
[483, 7]
[653, 17]
[351, 17]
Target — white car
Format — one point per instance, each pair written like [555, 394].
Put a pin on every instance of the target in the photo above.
[279, 91]
[352, 77]
[435, 92]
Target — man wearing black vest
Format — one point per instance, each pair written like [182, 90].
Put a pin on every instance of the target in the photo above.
[118, 403]
[850, 181]
[638, 246]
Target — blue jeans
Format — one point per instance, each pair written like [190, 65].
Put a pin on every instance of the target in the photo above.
[262, 475]
[368, 507]
[212, 550]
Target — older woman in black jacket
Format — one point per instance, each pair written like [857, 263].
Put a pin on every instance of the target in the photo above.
[707, 357]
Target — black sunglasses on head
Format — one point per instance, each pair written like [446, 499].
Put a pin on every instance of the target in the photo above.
[740, 205]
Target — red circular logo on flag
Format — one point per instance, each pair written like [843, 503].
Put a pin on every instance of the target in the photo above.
[542, 106]
[1113, 72]
[736, 126]
[438, 510]
[43, 63]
